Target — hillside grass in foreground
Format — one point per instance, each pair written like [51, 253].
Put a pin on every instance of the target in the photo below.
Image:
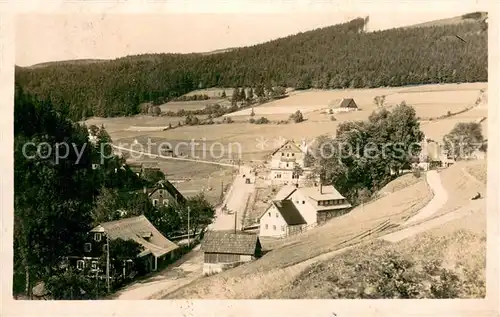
[446, 262]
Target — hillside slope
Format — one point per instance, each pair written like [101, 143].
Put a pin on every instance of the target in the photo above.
[339, 56]
[284, 270]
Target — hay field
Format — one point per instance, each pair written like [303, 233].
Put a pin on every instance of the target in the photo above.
[432, 104]
[272, 270]
[317, 123]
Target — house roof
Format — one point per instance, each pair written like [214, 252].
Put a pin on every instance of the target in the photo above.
[327, 193]
[292, 143]
[285, 192]
[137, 229]
[344, 103]
[289, 212]
[230, 242]
[165, 184]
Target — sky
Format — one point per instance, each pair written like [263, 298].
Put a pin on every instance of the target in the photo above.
[43, 37]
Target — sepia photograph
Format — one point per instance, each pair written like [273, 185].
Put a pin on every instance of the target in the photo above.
[325, 155]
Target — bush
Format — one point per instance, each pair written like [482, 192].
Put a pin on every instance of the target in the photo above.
[262, 120]
[297, 117]
[332, 118]
[251, 120]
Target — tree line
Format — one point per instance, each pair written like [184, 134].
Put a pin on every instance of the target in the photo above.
[340, 56]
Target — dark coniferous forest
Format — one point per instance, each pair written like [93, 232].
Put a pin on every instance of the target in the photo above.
[340, 56]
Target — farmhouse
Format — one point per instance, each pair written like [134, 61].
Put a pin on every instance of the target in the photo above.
[140, 168]
[165, 193]
[156, 247]
[344, 105]
[227, 249]
[315, 204]
[284, 161]
[282, 218]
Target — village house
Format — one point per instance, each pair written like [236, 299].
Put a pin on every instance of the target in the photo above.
[227, 249]
[283, 162]
[156, 248]
[165, 193]
[282, 218]
[344, 105]
[315, 204]
[140, 168]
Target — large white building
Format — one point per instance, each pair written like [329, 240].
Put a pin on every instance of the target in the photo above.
[294, 209]
[283, 162]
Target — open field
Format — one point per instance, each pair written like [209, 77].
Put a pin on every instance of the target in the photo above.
[257, 141]
[193, 105]
[211, 92]
[191, 178]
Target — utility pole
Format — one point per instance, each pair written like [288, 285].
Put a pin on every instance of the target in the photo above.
[189, 241]
[235, 221]
[107, 263]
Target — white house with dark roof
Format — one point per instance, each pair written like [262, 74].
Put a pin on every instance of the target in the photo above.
[283, 161]
[297, 208]
[281, 218]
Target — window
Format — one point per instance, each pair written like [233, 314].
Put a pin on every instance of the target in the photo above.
[274, 228]
[267, 226]
[283, 228]
[87, 247]
[155, 202]
[303, 202]
[105, 248]
[287, 154]
[276, 215]
[278, 175]
[286, 164]
[293, 154]
[165, 202]
[94, 265]
[269, 214]
[80, 264]
[282, 154]
[97, 237]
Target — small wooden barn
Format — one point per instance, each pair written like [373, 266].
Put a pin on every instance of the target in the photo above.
[227, 249]
[344, 105]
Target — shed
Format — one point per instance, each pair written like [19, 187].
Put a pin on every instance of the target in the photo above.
[226, 249]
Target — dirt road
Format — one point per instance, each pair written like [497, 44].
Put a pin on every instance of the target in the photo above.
[152, 155]
[235, 202]
[440, 198]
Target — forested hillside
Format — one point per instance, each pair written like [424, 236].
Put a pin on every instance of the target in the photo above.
[339, 56]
